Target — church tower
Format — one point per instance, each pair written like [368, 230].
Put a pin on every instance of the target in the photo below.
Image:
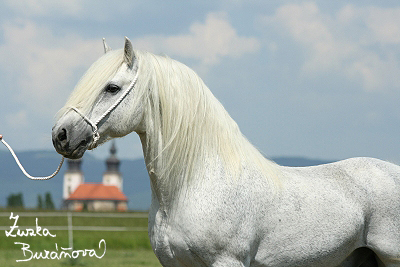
[73, 177]
[112, 176]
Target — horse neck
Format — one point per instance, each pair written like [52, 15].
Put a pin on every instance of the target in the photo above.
[157, 187]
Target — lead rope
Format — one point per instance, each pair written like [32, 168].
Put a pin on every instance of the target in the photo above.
[23, 169]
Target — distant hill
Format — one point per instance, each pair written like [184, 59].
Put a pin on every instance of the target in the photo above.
[136, 184]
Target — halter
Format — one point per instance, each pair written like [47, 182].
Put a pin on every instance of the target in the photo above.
[96, 135]
[94, 125]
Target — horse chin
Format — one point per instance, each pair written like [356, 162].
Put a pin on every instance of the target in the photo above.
[75, 154]
[72, 154]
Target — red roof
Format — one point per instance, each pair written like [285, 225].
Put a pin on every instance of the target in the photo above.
[98, 192]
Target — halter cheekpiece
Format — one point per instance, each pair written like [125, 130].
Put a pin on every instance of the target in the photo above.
[94, 125]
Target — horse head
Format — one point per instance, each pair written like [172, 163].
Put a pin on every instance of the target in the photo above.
[102, 106]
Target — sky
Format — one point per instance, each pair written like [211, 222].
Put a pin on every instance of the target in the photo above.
[319, 79]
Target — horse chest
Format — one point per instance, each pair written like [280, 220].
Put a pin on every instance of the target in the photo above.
[171, 243]
[198, 234]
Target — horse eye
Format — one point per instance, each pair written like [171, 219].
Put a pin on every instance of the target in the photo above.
[112, 88]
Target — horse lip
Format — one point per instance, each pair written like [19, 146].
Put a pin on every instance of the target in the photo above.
[75, 154]
[67, 152]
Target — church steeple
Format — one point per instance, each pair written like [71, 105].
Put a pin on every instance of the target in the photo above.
[73, 177]
[113, 162]
[112, 176]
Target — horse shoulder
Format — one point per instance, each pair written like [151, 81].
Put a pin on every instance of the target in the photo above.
[219, 218]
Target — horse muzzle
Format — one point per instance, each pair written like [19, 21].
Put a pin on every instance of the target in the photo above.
[72, 136]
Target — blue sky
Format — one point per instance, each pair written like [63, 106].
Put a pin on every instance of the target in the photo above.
[319, 79]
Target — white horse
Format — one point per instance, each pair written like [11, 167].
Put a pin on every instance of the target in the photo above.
[216, 201]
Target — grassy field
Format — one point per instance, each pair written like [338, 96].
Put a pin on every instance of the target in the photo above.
[124, 248]
[112, 258]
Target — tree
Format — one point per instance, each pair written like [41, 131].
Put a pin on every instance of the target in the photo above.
[39, 202]
[85, 206]
[15, 201]
[48, 202]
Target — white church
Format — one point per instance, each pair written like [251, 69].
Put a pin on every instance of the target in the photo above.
[105, 196]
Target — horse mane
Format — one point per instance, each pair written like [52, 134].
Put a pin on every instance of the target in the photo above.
[185, 124]
[189, 125]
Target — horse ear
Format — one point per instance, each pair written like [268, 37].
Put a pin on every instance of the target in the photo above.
[129, 55]
[106, 47]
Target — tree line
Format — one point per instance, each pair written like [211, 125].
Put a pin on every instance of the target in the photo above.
[16, 201]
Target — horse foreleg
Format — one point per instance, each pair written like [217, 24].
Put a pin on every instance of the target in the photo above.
[361, 257]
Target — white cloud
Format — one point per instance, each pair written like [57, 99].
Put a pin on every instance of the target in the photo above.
[206, 42]
[88, 10]
[384, 24]
[45, 7]
[41, 65]
[356, 42]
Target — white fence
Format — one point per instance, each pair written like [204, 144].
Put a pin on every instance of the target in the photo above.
[78, 214]
[70, 227]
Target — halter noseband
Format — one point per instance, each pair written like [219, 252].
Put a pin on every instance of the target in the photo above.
[94, 125]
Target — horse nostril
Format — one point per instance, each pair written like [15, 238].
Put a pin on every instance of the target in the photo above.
[86, 141]
[62, 135]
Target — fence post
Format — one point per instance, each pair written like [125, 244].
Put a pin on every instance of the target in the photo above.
[70, 233]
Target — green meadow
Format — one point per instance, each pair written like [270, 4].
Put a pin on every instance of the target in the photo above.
[126, 240]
